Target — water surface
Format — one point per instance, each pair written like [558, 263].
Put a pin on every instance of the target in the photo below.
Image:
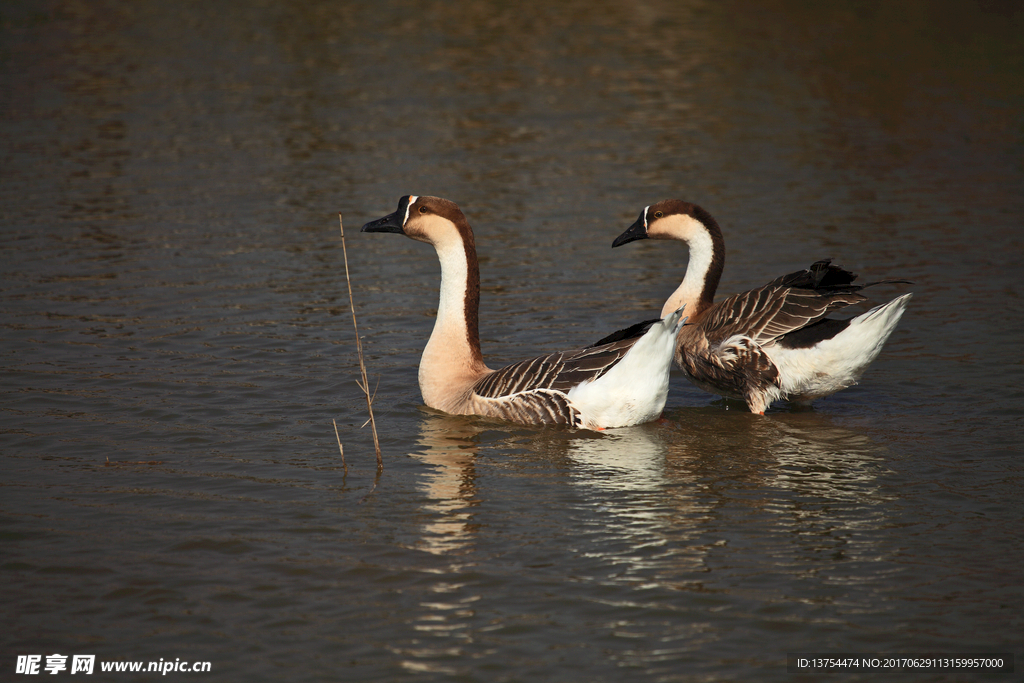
[176, 338]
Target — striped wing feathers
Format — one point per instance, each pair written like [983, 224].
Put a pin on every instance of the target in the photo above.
[790, 302]
[539, 372]
[559, 372]
[769, 312]
[786, 304]
[535, 406]
[736, 329]
[536, 390]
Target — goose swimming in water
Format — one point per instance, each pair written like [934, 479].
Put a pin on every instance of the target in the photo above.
[620, 381]
[769, 343]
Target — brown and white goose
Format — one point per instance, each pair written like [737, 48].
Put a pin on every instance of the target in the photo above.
[620, 381]
[769, 343]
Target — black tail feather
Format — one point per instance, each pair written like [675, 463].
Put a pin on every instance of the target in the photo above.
[825, 276]
[636, 330]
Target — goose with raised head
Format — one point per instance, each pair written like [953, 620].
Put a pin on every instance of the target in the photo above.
[620, 381]
[769, 343]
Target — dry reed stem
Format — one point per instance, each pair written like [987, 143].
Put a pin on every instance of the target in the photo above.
[365, 386]
[340, 448]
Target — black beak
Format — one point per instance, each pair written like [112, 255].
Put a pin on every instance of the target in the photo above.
[637, 231]
[393, 222]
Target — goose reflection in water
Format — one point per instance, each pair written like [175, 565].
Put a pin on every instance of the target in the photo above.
[444, 612]
[640, 515]
[793, 487]
[818, 457]
[804, 452]
[630, 459]
[658, 501]
[449, 445]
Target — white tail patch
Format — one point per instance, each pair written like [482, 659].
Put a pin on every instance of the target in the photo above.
[836, 363]
[635, 390]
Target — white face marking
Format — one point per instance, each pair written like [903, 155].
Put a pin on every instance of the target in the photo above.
[645, 217]
[412, 200]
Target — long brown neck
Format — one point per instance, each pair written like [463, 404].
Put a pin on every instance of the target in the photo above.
[707, 260]
[471, 305]
[452, 359]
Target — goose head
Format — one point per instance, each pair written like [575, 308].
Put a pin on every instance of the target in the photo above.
[454, 346]
[672, 219]
[432, 220]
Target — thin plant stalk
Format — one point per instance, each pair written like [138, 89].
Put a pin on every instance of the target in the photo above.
[340, 448]
[365, 386]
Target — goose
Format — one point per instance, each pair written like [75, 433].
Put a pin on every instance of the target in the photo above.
[769, 343]
[620, 381]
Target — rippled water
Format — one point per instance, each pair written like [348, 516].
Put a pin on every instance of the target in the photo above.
[176, 338]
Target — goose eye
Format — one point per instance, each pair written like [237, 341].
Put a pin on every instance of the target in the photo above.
[423, 209]
[658, 214]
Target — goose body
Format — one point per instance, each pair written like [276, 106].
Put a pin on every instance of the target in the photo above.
[620, 381]
[769, 343]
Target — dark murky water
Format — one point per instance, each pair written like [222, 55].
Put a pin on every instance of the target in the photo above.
[173, 294]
